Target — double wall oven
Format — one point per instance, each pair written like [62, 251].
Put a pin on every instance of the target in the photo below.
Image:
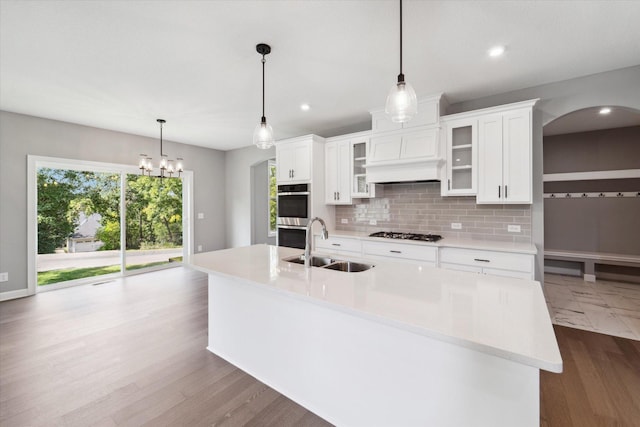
[294, 209]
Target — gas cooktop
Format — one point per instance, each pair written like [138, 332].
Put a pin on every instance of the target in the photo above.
[407, 236]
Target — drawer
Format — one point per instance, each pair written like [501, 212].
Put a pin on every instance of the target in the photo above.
[487, 259]
[400, 250]
[338, 244]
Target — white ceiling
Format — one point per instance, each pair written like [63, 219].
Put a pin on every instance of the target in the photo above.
[121, 64]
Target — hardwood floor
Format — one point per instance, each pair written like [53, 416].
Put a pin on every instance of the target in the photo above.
[600, 384]
[132, 352]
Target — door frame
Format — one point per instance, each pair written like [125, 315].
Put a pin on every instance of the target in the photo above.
[35, 162]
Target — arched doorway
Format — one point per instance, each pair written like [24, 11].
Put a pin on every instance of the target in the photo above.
[591, 193]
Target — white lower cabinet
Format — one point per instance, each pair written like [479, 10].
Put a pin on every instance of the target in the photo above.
[488, 262]
[339, 245]
[426, 255]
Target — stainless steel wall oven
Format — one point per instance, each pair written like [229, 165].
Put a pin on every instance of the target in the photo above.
[294, 208]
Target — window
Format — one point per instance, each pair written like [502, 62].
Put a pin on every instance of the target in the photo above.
[273, 198]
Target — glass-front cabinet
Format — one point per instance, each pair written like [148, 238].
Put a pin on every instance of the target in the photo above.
[462, 143]
[359, 186]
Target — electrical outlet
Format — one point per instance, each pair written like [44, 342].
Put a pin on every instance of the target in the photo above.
[200, 215]
[513, 228]
[4, 277]
[199, 248]
[344, 221]
[456, 225]
[373, 222]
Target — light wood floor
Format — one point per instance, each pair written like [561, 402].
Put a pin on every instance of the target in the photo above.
[132, 352]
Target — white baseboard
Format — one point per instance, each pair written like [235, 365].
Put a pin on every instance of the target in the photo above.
[589, 277]
[20, 293]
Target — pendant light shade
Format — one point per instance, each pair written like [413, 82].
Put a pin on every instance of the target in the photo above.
[263, 134]
[402, 103]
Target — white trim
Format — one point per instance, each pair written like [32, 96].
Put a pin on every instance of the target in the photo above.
[20, 293]
[489, 110]
[35, 162]
[581, 176]
[590, 278]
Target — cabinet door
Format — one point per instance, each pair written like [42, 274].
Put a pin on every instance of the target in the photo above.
[302, 161]
[384, 149]
[285, 161]
[490, 159]
[359, 186]
[462, 143]
[418, 145]
[344, 173]
[516, 163]
[331, 172]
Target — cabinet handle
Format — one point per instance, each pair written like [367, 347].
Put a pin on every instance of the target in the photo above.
[338, 195]
[336, 244]
[449, 181]
[505, 192]
[293, 173]
[366, 186]
[290, 173]
[396, 252]
[481, 260]
[499, 191]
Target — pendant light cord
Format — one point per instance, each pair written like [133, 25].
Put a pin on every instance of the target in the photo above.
[263, 61]
[161, 153]
[401, 37]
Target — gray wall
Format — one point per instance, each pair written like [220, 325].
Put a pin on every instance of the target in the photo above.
[260, 204]
[21, 135]
[238, 165]
[614, 88]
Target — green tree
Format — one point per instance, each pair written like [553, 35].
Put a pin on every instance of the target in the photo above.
[54, 197]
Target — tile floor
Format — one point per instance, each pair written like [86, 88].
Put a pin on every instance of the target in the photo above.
[607, 307]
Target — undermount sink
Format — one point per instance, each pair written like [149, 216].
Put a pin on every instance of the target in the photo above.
[316, 261]
[331, 264]
[349, 266]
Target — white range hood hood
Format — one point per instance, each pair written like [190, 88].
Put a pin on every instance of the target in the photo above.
[404, 171]
[408, 155]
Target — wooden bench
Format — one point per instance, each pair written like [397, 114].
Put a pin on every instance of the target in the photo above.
[590, 259]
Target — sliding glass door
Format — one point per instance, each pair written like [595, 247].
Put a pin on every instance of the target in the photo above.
[93, 219]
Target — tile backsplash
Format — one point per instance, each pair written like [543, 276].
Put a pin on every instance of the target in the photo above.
[419, 208]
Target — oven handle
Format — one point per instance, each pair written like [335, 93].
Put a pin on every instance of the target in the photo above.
[301, 193]
[293, 227]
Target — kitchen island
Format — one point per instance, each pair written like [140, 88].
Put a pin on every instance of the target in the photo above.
[396, 345]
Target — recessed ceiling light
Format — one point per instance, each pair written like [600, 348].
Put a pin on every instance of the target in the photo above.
[496, 51]
[305, 107]
[605, 110]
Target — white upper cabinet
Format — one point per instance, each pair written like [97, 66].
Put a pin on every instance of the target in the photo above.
[461, 166]
[505, 156]
[359, 186]
[293, 161]
[338, 172]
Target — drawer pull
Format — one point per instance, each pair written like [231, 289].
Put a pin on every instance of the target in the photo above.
[396, 252]
[336, 244]
[481, 260]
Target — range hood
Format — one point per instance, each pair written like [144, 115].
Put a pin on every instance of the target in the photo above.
[404, 171]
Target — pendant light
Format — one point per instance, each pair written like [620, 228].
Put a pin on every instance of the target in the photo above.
[263, 135]
[402, 103]
[167, 167]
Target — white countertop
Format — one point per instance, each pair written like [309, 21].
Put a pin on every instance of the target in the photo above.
[448, 242]
[501, 316]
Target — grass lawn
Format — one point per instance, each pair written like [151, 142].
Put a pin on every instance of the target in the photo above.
[56, 276]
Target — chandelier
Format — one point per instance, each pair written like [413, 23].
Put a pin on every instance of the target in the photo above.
[167, 167]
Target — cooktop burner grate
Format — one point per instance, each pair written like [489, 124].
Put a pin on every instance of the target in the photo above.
[407, 236]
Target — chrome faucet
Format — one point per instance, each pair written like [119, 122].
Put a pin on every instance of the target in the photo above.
[307, 246]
